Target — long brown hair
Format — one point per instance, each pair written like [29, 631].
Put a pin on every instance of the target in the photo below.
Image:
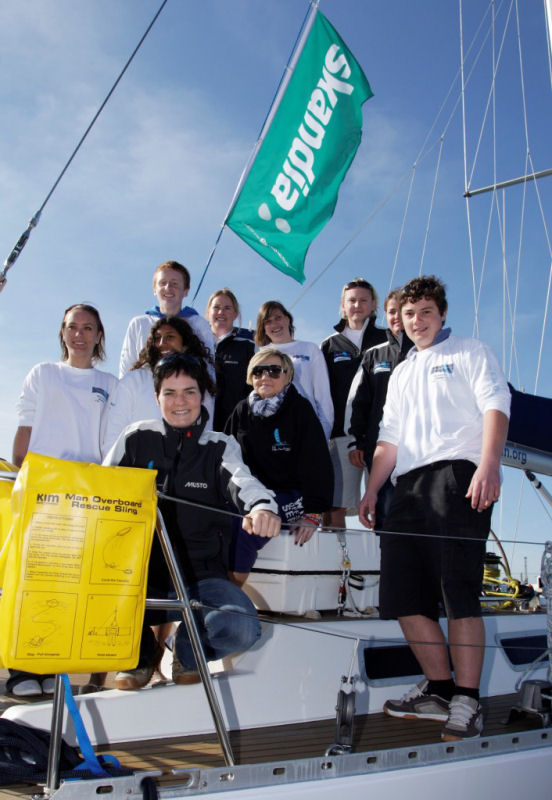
[264, 312]
[99, 349]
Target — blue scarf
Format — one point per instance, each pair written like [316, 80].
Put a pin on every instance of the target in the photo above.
[266, 406]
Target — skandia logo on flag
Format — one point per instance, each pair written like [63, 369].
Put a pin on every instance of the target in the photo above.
[291, 190]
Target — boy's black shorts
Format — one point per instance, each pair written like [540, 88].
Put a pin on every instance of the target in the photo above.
[418, 573]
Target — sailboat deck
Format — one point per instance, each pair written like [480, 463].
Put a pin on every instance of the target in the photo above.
[290, 742]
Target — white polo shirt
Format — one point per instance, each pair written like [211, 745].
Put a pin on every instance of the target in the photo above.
[436, 401]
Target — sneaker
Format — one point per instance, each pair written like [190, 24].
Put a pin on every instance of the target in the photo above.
[418, 704]
[134, 678]
[182, 676]
[48, 685]
[27, 688]
[465, 720]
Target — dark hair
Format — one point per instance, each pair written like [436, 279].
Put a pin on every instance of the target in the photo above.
[426, 286]
[98, 353]
[264, 312]
[150, 354]
[182, 364]
[177, 268]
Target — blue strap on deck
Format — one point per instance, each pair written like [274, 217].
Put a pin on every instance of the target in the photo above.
[91, 761]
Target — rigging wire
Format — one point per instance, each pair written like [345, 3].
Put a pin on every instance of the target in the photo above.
[422, 154]
[358, 230]
[22, 241]
[403, 223]
[272, 109]
[491, 98]
[431, 203]
[464, 146]
[548, 17]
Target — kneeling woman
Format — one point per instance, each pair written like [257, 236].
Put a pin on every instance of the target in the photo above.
[203, 467]
[285, 447]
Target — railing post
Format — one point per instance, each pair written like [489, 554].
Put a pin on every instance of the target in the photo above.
[189, 620]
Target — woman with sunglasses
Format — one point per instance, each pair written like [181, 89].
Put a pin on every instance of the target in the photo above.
[134, 398]
[284, 446]
[62, 413]
[310, 378]
[355, 332]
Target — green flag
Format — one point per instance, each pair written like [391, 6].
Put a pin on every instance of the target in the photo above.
[291, 190]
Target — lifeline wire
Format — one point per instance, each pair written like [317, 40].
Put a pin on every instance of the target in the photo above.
[22, 241]
[329, 529]
[198, 605]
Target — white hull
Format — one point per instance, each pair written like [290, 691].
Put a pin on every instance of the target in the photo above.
[292, 675]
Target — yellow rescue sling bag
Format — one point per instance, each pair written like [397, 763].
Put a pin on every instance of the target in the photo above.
[7, 478]
[75, 580]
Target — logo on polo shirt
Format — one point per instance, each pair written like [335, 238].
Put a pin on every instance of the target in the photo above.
[101, 396]
[442, 370]
[342, 355]
[381, 366]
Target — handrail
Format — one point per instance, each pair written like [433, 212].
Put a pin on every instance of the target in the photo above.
[195, 641]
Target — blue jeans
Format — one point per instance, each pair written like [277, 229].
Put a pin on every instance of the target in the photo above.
[227, 624]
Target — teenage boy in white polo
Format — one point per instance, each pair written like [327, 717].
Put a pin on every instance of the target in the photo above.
[171, 284]
[442, 435]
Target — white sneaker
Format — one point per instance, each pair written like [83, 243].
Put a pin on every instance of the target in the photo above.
[465, 719]
[28, 688]
[48, 685]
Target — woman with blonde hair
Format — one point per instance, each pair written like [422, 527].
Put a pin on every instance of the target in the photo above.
[284, 446]
[233, 350]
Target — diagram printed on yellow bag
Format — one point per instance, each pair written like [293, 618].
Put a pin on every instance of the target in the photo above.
[74, 589]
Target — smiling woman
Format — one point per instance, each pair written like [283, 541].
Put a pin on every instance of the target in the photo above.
[205, 468]
[310, 375]
[179, 400]
[62, 413]
[284, 446]
[134, 398]
[233, 350]
[61, 410]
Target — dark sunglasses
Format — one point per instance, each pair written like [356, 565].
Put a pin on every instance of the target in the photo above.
[272, 370]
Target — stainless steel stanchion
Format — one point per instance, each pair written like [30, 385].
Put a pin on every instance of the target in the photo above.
[52, 775]
[195, 640]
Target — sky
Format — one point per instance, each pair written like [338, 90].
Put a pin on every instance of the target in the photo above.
[154, 179]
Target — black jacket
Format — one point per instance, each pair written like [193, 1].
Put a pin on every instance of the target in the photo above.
[343, 359]
[377, 365]
[287, 450]
[197, 465]
[232, 356]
